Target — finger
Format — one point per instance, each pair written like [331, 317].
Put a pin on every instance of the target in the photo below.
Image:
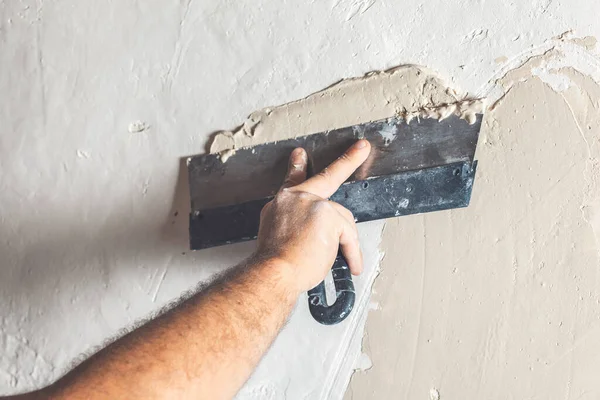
[296, 173]
[350, 247]
[349, 217]
[344, 211]
[326, 182]
[347, 214]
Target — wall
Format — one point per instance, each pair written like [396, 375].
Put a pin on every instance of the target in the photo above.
[501, 300]
[93, 203]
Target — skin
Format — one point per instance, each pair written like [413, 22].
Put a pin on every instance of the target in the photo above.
[209, 345]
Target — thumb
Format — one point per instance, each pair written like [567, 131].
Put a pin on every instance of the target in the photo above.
[296, 173]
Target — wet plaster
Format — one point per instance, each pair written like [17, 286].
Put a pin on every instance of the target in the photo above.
[501, 300]
[484, 301]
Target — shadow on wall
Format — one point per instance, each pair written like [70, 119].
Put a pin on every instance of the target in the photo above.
[79, 260]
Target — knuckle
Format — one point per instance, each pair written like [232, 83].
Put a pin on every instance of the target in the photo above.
[266, 208]
[348, 213]
[325, 173]
[326, 204]
[304, 196]
[308, 197]
[283, 194]
[280, 197]
[344, 157]
[345, 212]
[290, 194]
[322, 206]
[289, 181]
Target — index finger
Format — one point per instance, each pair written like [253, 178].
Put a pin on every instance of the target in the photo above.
[326, 182]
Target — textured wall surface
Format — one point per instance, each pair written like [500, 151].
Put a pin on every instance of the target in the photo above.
[100, 101]
[501, 300]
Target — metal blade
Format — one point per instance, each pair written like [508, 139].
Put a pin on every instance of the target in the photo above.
[257, 172]
[404, 193]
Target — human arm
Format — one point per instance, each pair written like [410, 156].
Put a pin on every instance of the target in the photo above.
[208, 346]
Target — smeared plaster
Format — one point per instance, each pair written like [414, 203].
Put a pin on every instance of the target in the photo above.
[406, 91]
[501, 299]
[587, 42]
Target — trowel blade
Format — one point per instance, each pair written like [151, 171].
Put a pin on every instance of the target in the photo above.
[258, 172]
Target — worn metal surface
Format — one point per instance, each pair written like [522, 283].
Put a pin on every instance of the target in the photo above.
[403, 193]
[258, 172]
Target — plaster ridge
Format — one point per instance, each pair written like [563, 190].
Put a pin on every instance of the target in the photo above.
[464, 106]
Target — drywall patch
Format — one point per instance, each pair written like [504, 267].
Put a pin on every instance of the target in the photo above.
[501, 299]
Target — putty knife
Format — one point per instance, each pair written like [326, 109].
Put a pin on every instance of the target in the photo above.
[417, 167]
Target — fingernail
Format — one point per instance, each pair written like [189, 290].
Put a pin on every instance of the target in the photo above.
[361, 144]
[298, 152]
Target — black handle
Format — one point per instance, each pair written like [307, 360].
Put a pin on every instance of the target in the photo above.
[344, 291]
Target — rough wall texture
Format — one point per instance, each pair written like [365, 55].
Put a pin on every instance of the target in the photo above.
[501, 300]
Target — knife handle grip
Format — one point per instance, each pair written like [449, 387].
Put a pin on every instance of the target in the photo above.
[345, 295]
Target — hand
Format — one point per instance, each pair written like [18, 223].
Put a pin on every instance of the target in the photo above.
[302, 229]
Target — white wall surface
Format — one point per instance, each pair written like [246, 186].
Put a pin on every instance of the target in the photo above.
[93, 227]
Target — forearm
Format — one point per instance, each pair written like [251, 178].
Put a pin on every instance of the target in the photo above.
[206, 348]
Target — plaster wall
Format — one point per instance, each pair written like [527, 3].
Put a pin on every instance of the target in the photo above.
[101, 101]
